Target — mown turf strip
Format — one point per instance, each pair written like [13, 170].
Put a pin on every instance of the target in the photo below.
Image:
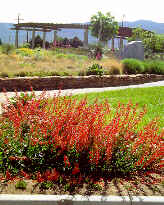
[152, 97]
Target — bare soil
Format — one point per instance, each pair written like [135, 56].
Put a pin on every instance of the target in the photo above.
[151, 185]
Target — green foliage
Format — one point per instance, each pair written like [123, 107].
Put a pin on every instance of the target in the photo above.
[25, 52]
[132, 66]
[154, 67]
[4, 74]
[7, 48]
[21, 184]
[0, 41]
[95, 187]
[95, 69]
[75, 42]
[26, 45]
[152, 42]
[38, 42]
[113, 147]
[46, 185]
[60, 55]
[23, 98]
[104, 27]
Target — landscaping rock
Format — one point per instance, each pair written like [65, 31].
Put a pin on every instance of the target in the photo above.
[75, 82]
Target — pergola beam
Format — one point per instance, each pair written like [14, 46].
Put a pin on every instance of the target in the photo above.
[28, 29]
[123, 32]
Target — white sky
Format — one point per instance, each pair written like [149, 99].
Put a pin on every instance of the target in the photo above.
[74, 11]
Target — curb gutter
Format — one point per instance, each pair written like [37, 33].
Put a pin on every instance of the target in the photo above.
[10, 199]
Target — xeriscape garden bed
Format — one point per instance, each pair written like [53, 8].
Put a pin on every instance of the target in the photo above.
[65, 146]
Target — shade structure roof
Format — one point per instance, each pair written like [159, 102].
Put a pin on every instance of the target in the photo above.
[52, 26]
[123, 32]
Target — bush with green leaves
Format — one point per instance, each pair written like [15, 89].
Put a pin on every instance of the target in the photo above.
[26, 45]
[154, 67]
[95, 69]
[4, 75]
[7, 48]
[132, 66]
[21, 184]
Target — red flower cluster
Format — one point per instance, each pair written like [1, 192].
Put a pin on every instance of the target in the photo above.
[49, 175]
[67, 124]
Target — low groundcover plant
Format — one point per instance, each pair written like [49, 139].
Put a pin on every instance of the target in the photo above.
[61, 138]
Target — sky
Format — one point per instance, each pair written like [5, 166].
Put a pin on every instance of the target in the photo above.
[79, 11]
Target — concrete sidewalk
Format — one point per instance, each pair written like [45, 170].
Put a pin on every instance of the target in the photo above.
[81, 91]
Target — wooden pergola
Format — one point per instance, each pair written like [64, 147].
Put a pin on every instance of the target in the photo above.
[123, 32]
[43, 27]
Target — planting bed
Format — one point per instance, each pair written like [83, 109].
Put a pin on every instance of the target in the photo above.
[67, 147]
[117, 187]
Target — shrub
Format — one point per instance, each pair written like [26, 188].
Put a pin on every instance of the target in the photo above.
[26, 45]
[21, 184]
[155, 67]
[95, 69]
[7, 48]
[25, 52]
[132, 66]
[4, 74]
[46, 139]
[38, 42]
[76, 42]
[21, 74]
[147, 69]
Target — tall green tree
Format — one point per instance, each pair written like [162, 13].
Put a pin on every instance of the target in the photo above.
[103, 27]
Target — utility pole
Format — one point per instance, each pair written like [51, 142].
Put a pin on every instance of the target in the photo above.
[123, 19]
[17, 30]
[18, 18]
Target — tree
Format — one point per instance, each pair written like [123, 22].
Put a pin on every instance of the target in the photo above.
[103, 27]
[151, 41]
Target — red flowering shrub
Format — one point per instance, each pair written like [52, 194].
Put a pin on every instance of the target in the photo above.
[48, 138]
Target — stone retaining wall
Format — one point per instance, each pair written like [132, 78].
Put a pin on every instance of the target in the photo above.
[56, 82]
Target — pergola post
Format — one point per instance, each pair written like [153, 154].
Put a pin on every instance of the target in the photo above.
[27, 36]
[33, 39]
[121, 42]
[55, 36]
[16, 39]
[44, 39]
[86, 38]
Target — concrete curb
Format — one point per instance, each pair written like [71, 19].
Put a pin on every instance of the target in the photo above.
[9, 199]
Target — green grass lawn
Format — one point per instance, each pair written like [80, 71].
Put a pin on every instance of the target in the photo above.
[152, 97]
